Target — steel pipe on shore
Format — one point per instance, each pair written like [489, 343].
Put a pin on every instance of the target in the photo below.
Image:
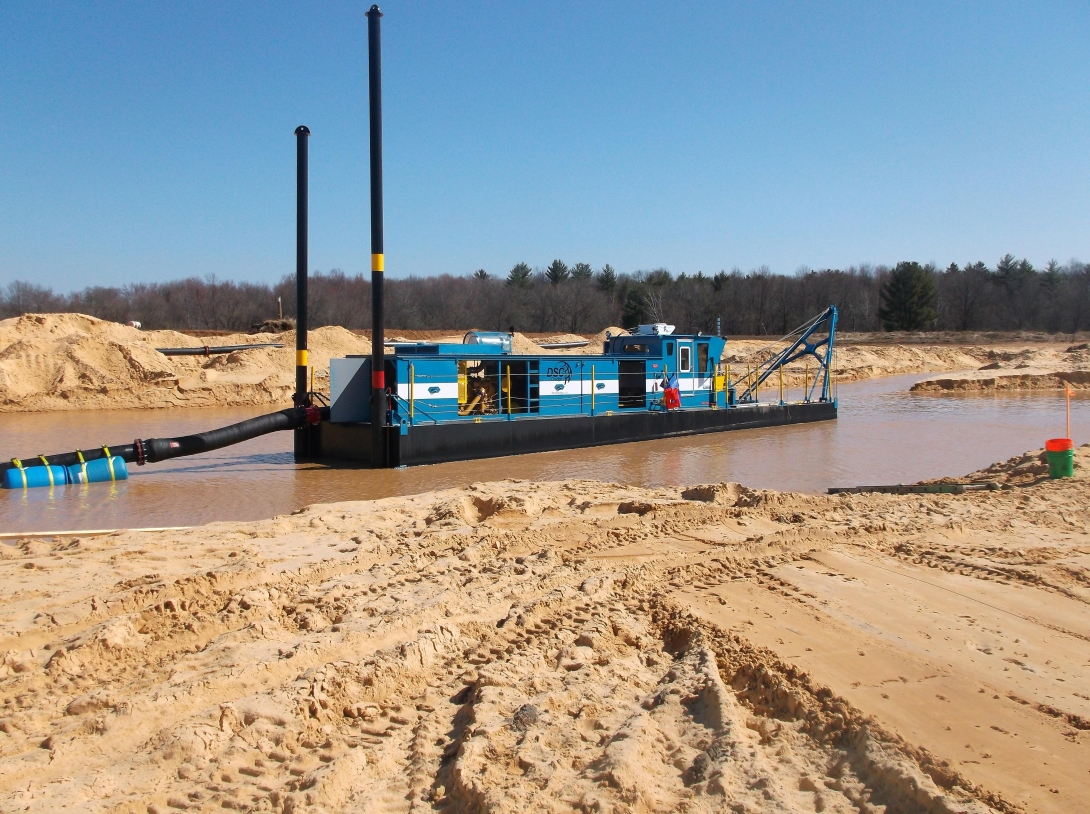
[211, 350]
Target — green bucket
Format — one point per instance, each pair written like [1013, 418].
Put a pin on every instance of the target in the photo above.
[1061, 458]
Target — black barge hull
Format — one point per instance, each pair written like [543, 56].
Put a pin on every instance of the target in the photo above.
[438, 443]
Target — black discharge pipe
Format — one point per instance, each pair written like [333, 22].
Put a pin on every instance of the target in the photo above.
[152, 450]
[378, 263]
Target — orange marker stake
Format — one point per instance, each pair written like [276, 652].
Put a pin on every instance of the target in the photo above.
[1068, 392]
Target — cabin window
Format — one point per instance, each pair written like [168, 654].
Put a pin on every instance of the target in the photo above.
[685, 360]
[636, 347]
[702, 357]
[669, 348]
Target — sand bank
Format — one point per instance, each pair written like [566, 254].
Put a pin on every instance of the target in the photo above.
[1026, 368]
[519, 646]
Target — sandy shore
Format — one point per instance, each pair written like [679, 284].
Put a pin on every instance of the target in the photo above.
[520, 646]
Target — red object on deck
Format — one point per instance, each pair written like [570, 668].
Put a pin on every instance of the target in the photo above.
[671, 398]
[1058, 445]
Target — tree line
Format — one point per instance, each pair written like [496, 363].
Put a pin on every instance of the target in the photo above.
[1012, 295]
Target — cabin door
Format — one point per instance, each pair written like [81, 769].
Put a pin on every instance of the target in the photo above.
[685, 366]
[704, 367]
[632, 382]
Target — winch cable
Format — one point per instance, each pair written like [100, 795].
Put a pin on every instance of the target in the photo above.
[776, 346]
[152, 450]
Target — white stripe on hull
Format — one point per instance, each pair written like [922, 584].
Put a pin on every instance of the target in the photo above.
[446, 390]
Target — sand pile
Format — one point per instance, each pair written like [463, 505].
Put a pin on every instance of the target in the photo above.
[71, 361]
[522, 646]
[522, 344]
[1021, 368]
[599, 338]
[583, 350]
[562, 338]
[987, 338]
[1038, 366]
[857, 362]
[1027, 469]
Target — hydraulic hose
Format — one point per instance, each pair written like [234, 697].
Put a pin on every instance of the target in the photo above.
[151, 450]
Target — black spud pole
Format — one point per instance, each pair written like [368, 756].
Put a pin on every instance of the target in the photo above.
[302, 396]
[378, 375]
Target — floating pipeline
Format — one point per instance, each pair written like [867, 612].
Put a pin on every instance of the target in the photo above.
[108, 463]
[100, 470]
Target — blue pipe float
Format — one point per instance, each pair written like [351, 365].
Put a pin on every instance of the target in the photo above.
[109, 463]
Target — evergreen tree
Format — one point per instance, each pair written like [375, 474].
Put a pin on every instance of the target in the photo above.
[557, 272]
[635, 307]
[659, 277]
[1007, 273]
[607, 279]
[1014, 278]
[519, 276]
[908, 298]
[582, 271]
[481, 274]
[1051, 276]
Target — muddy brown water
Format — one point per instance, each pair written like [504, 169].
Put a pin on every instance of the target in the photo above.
[884, 435]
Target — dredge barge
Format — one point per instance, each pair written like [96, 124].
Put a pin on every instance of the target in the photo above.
[478, 399]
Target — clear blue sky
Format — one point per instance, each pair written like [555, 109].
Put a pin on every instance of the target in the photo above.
[149, 141]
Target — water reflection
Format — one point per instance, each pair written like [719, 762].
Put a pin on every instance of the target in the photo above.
[884, 435]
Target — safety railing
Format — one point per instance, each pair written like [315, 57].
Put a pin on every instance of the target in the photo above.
[511, 394]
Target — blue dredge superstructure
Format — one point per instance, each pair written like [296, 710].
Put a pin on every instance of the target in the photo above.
[479, 399]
